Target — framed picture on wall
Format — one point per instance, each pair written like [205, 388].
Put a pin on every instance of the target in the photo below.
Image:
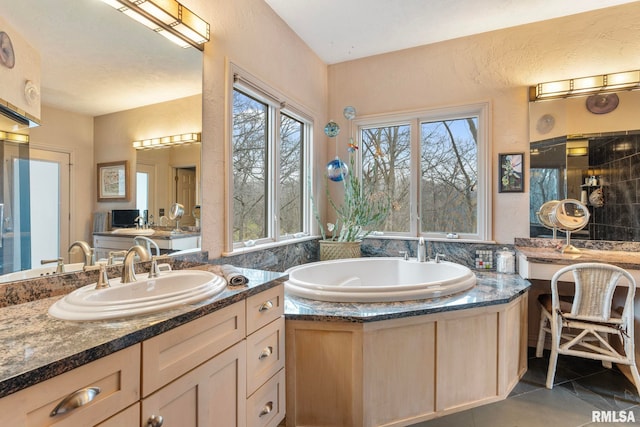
[511, 170]
[113, 181]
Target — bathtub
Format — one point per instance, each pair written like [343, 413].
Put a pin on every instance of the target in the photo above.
[377, 280]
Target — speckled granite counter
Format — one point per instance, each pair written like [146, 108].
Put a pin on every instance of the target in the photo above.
[548, 251]
[37, 347]
[491, 289]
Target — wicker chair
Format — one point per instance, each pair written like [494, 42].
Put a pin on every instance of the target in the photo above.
[580, 325]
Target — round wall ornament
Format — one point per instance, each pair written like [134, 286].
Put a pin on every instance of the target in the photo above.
[545, 123]
[602, 103]
[7, 55]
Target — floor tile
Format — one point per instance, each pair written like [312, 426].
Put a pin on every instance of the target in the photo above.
[581, 386]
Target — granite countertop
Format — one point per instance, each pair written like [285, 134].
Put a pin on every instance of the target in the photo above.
[37, 347]
[491, 289]
[548, 251]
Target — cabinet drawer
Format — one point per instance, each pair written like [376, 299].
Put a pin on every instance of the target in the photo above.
[265, 354]
[117, 376]
[266, 407]
[167, 356]
[264, 307]
[128, 417]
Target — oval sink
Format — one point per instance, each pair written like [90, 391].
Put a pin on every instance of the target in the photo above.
[140, 297]
[134, 231]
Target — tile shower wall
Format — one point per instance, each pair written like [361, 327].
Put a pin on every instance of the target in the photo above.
[616, 162]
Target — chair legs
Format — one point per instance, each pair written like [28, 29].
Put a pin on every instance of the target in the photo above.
[551, 373]
[544, 325]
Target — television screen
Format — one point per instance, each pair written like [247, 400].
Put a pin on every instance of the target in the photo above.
[124, 218]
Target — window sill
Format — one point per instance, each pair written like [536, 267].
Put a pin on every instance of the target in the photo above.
[263, 246]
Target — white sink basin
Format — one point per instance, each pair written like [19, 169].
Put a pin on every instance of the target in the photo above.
[134, 231]
[143, 296]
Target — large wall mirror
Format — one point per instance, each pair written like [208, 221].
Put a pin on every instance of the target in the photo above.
[588, 150]
[151, 72]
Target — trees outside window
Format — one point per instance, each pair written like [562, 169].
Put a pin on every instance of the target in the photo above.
[269, 145]
[435, 167]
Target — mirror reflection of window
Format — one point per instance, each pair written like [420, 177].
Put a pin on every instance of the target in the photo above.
[142, 191]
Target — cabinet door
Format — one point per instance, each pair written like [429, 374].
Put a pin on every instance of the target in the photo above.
[213, 394]
[168, 356]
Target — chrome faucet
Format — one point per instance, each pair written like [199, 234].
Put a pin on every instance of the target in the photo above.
[139, 220]
[128, 270]
[422, 250]
[89, 258]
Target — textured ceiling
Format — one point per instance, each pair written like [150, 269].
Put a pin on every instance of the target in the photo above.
[342, 30]
[96, 61]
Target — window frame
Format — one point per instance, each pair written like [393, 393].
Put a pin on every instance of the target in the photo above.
[277, 104]
[414, 119]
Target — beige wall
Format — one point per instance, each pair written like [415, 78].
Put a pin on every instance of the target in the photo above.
[72, 133]
[496, 67]
[251, 35]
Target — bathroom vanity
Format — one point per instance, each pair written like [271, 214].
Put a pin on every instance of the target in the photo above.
[399, 363]
[105, 242]
[218, 362]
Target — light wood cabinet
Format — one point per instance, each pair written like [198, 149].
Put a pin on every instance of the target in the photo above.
[117, 377]
[266, 398]
[213, 394]
[225, 369]
[403, 371]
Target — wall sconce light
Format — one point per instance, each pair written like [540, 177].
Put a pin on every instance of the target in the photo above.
[167, 141]
[577, 151]
[14, 137]
[168, 18]
[603, 83]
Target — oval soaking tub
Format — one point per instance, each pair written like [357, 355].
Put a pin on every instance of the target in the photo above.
[377, 280]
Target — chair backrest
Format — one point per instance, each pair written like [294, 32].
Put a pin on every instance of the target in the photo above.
[595, 284]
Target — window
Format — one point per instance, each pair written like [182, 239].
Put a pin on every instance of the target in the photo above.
[270, 146]
[435, 167]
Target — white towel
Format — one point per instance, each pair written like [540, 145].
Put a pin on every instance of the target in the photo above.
[233, 276]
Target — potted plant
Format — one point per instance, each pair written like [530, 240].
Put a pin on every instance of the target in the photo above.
[355, 215]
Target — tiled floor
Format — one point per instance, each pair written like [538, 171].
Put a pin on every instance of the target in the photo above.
[580, 387]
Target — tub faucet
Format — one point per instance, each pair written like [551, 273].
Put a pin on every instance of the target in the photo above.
[128, 269]
[89, 258]
[422, 250]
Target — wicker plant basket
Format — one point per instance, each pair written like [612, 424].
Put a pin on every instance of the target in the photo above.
[330, 249]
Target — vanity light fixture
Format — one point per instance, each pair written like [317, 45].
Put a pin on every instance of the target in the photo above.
[627, 80]
[167, 18]
[14, 137]
[577, 151]
[167, 141]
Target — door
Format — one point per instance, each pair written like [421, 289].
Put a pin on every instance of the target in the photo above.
[50, 205]
[185, 179]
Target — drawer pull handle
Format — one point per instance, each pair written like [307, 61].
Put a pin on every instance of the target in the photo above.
[155, 421]
[266, 306]
[75, 400]
[266, 352]
[266, 409]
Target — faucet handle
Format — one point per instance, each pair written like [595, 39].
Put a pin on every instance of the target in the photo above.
[59, 266]
[439, 257]
[154, 271]
[103, 279]
[405, 254]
